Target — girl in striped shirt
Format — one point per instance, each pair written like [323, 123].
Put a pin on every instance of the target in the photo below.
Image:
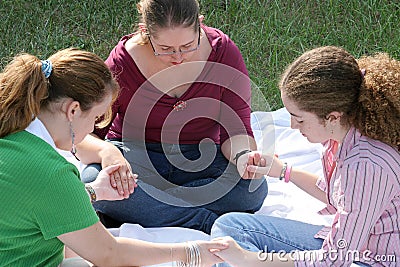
[353, 108]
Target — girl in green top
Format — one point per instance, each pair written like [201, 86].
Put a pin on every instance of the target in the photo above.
[53, 104]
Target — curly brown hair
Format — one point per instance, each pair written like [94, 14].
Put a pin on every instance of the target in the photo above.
[378, 115]
[366, 91]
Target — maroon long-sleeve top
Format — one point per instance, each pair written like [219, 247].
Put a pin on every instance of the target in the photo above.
[215, 107]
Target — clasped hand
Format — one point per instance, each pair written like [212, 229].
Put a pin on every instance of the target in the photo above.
[255, 165]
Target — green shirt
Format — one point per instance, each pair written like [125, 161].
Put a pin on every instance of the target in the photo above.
[41, 197]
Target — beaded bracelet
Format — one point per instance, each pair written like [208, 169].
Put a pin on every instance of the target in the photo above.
[91, 192]
[287, 174]
[283, 172]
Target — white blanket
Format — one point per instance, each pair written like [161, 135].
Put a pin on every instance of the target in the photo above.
[272, 129]
[273, 134]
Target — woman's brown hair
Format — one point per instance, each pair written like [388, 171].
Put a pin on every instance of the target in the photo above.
[161, 14]
[24, 90]
[366, 91]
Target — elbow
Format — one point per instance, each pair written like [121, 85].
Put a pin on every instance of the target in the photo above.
[106, 258]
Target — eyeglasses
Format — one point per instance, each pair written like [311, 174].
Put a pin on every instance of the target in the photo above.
[174, 52]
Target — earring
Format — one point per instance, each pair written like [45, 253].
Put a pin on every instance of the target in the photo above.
[327, 118]
[72, 133]
[143, 28]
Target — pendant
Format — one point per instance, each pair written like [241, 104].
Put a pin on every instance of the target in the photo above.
[180, 105]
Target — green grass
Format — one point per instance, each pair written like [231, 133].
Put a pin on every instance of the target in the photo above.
[270, 33]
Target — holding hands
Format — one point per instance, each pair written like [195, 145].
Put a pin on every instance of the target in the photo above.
[122, 179]
[236, 256]
[233, 254]
[254, 165]
[251, 158]
[102, 184]
[201, 253]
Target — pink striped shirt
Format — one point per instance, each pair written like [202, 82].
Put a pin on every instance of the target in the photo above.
[364, 196]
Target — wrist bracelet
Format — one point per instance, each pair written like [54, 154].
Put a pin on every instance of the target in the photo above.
[91, 192]
[283, 171]
[193, 256]
[287, 173]
[237, 156]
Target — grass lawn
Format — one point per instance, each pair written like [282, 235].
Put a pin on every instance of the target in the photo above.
[270, 33]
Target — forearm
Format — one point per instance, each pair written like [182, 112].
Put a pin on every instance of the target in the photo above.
[93, 150]
[98, 246]
[307, 182]
[141, 253]
[236, 144]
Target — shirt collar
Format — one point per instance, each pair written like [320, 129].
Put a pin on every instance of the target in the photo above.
[348, 143]
[38, 129]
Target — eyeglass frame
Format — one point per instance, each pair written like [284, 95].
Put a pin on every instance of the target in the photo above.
[175, 52]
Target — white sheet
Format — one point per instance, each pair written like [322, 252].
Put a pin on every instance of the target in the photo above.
[272, 129]
[273, 134]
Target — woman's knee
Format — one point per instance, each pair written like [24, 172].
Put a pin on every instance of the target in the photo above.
[239, 226]
[261, 192]
[254, 195]
[90, 172]
[228, 224]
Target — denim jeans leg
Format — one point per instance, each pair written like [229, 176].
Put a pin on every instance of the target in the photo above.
[90, 172]
[149, 207]
[257, 232]
[154, 203]
[219, 187]
[260, 232]
[216, 186]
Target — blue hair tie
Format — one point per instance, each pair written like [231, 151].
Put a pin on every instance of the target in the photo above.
[47, 67]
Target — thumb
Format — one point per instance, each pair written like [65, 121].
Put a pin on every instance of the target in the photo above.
[257, 169]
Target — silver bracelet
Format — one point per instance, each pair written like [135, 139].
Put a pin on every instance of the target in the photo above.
[193, 256]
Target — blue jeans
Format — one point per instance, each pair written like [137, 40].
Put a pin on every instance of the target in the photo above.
[256, 233]
[181, 185]
[260, 232]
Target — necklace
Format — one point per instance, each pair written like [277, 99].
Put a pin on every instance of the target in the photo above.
[180, 105]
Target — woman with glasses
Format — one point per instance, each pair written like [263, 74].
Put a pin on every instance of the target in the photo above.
[182, 121]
